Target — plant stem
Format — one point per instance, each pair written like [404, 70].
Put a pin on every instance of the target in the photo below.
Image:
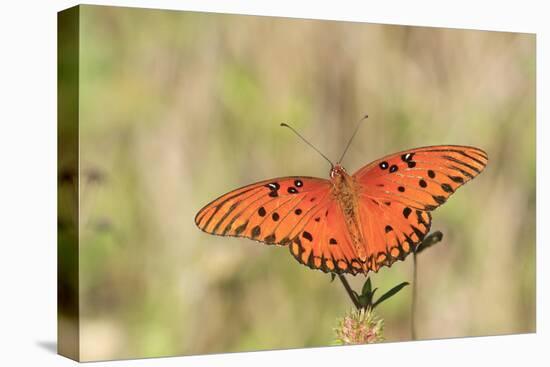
[413, 304]
[350, 291]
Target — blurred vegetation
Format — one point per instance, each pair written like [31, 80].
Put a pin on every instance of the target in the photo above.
[177, 108]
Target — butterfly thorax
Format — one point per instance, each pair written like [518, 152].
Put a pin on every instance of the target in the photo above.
[344, 190]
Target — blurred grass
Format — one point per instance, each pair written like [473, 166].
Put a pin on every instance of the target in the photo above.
[179, 107]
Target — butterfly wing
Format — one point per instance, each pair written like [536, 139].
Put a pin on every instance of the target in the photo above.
[297, 211]
[324, 241]
[267, 211]
[397, 192]
[395, 195]
[392, 230]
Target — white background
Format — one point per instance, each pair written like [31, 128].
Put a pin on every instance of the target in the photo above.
[28, 182]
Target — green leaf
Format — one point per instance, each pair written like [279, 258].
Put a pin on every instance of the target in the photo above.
[332, 277]
[367, 287]
[390, 293]
[355, 294]
[429, 241]
[364, 300]
[371, 296]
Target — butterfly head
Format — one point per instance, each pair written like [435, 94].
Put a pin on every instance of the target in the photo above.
[338, 172]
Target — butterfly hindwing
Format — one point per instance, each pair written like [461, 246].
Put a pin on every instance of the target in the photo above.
[324, 243]
[392, 230]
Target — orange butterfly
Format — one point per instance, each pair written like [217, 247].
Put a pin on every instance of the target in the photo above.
[348, 224]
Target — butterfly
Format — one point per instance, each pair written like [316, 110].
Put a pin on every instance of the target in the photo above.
[348, 223]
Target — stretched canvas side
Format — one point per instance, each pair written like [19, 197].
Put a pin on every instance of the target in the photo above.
[67, 184]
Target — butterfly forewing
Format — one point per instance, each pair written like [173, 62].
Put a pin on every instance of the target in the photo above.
[421, 178]
[272, 211]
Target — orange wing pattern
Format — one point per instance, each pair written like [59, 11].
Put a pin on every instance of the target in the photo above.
[392, 230]
[398, 191]
[395, 195]
[297, 211]
[272, 211]
[329, 247]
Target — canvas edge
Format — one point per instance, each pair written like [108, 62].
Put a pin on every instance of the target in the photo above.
[68, 303]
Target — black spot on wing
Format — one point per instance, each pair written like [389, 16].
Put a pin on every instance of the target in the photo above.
[273, 186]
[240, 229]
[274, 189]
[447, 188]
[256, 231]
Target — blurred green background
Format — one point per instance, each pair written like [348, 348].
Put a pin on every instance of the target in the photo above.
[177, 108]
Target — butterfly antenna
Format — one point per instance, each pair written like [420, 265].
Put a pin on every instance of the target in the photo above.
[308, 143]
[353, 136]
